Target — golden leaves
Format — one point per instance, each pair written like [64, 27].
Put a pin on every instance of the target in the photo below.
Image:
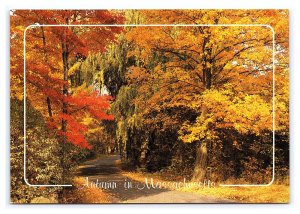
[74, 68]
[246, 114]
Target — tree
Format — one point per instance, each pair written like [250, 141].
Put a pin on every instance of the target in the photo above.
[51, 53]
[219, 72]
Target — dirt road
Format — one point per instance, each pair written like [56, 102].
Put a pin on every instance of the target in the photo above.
[108, 176]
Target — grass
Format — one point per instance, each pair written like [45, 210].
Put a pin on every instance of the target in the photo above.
[276, 193]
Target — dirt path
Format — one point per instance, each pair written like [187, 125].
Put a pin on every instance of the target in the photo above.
[107, 173]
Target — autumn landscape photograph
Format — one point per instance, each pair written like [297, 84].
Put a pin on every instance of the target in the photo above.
[149, 106]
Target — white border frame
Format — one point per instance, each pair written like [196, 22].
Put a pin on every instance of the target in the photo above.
[155, 25]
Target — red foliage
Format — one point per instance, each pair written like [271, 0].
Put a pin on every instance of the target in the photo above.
[44, 50]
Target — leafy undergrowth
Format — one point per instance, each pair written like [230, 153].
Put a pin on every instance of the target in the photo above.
[276, 193]
[86, 195]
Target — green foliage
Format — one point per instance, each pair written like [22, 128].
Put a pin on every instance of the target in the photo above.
[108, 68]
[43, 165]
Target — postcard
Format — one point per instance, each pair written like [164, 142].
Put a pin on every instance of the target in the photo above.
[149, 106]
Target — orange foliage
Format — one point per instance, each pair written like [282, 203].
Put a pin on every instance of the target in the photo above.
[47, 80]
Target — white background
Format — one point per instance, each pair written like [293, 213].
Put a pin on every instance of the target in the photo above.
[293, 207]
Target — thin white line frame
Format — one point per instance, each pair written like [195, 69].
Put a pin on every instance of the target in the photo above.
[155, 25]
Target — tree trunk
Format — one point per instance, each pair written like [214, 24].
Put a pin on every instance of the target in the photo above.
[45, 57]
[65, 56]
[202, 150]
[63, 146]
[201, 154]
[49, 107]
[200, 163]
[60, 191]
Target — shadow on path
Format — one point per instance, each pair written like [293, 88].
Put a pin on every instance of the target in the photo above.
[104, 170]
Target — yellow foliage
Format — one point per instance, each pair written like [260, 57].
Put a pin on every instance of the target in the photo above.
[246, 114]
[74, 68]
